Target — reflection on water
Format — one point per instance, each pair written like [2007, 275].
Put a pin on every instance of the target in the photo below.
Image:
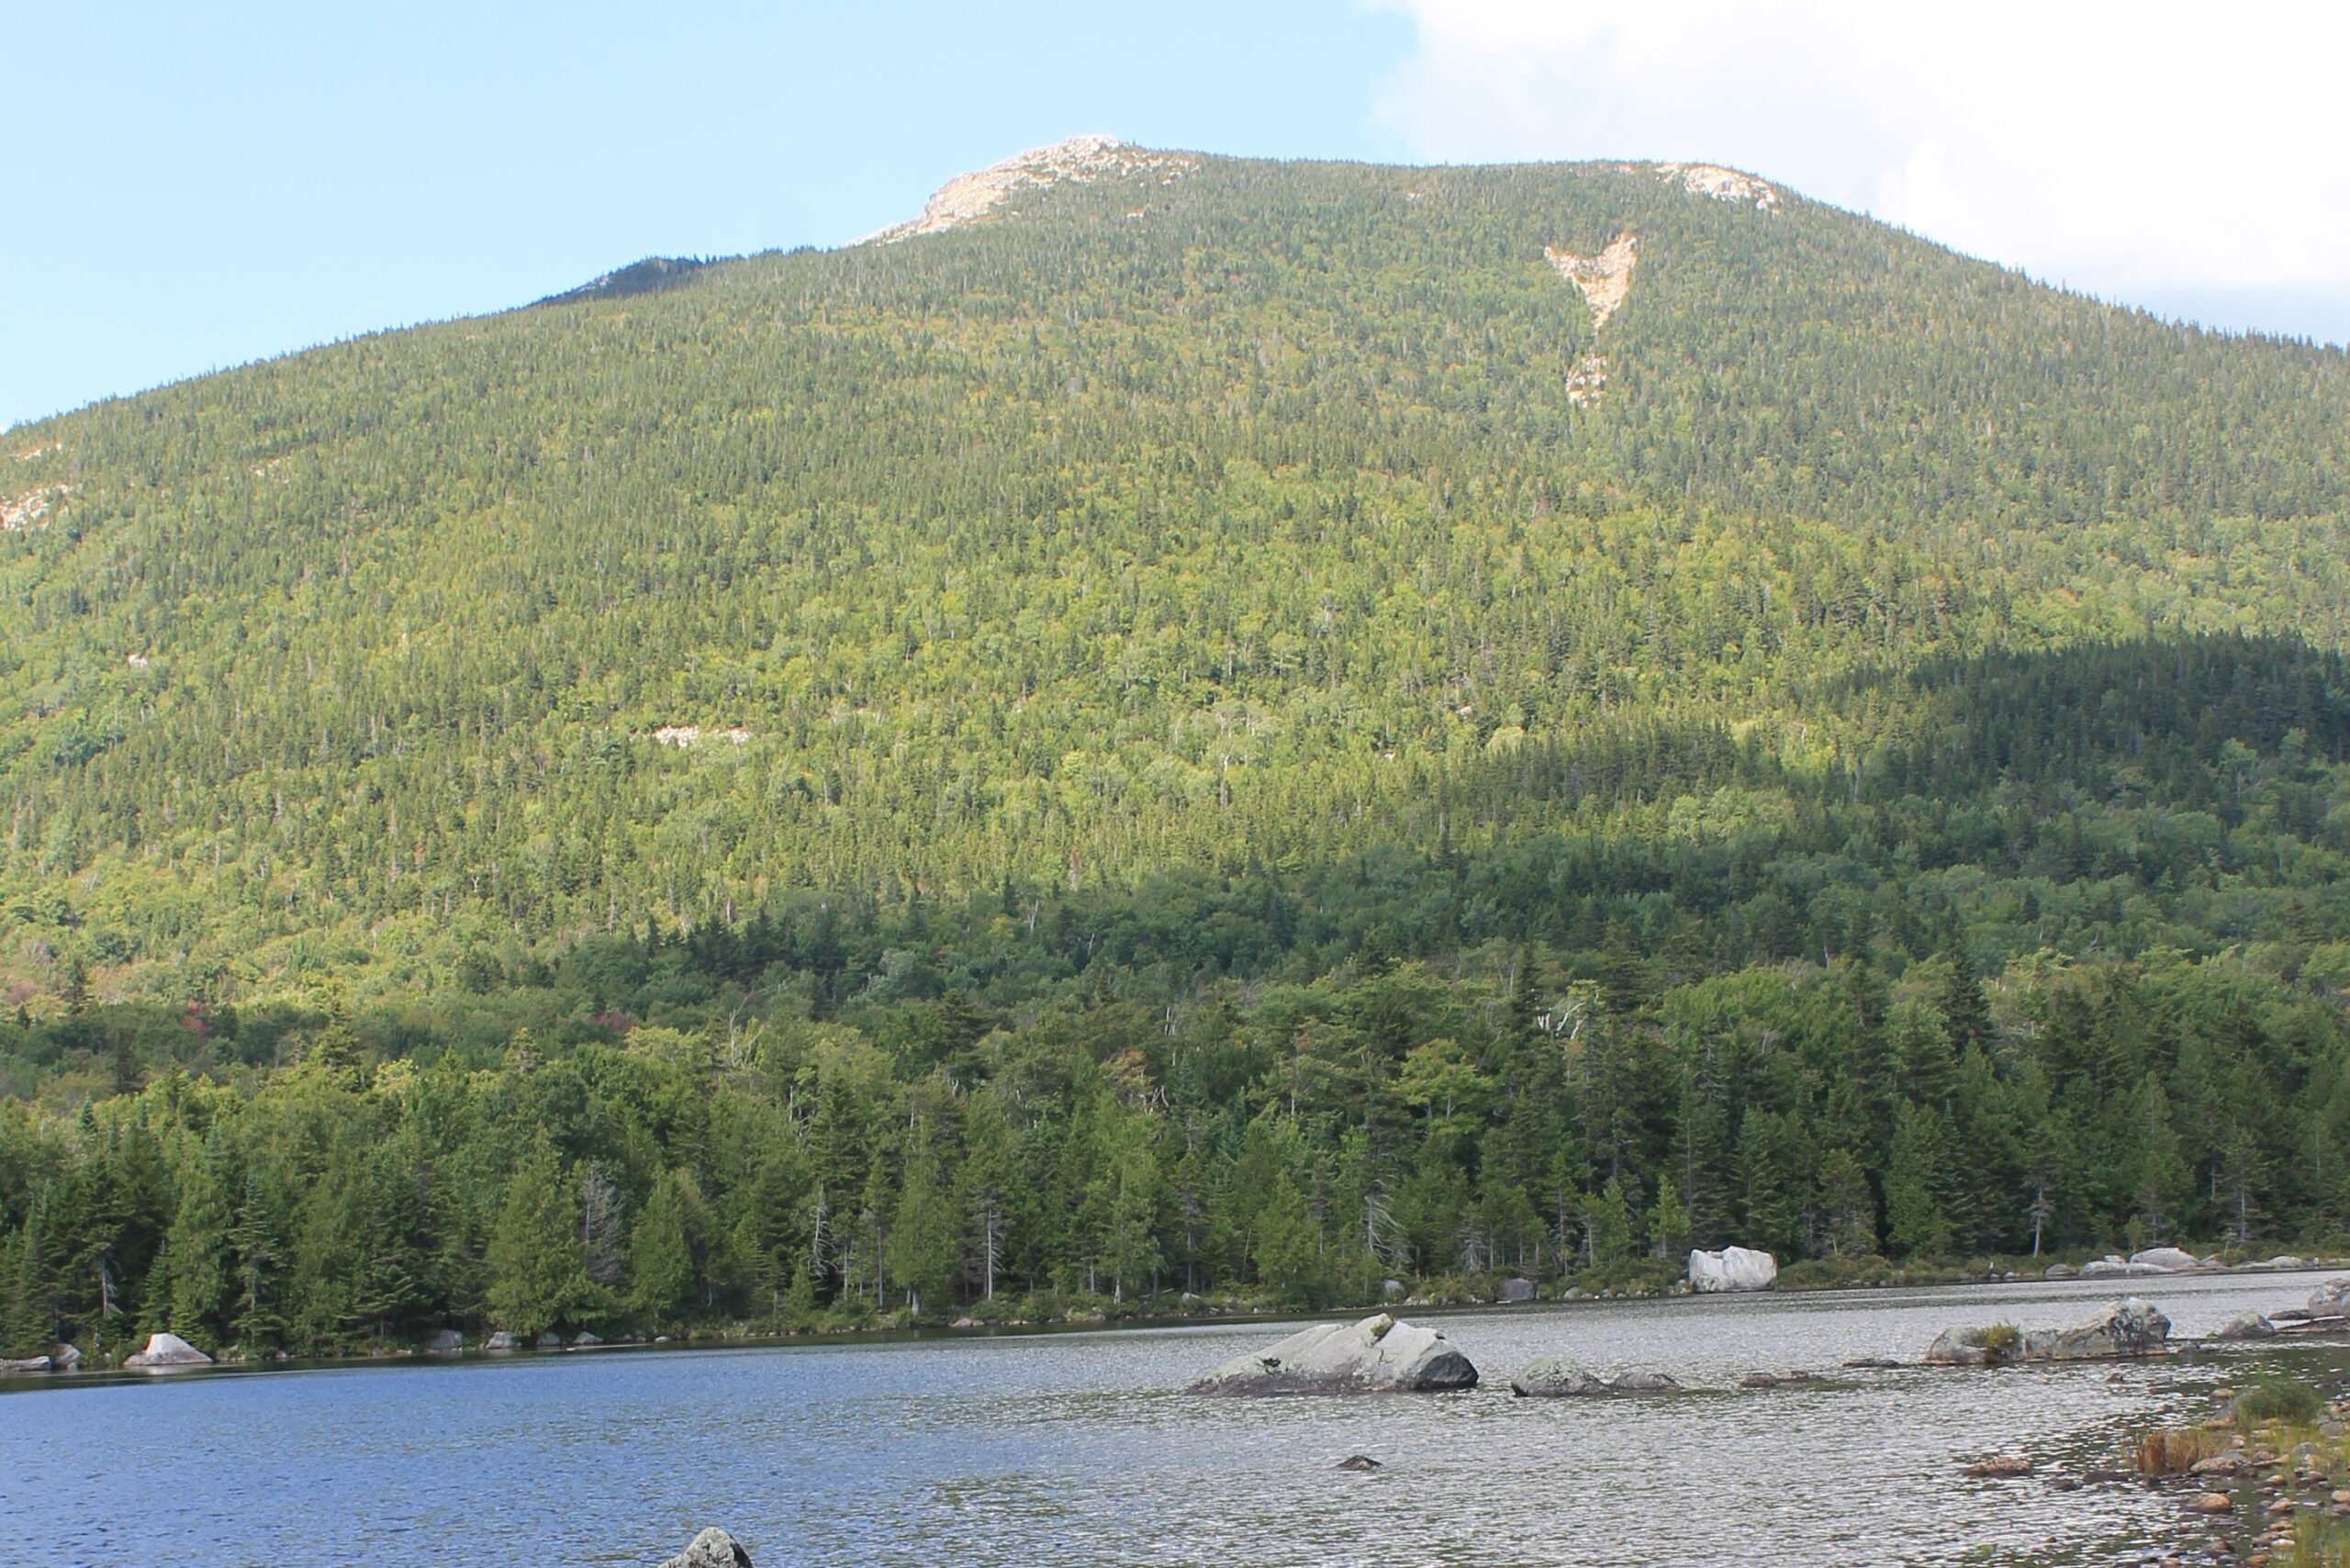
[1064, 1448]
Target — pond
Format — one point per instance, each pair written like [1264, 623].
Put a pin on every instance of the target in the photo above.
[1052, 1448]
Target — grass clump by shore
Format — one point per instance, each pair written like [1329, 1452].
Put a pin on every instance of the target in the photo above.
[2285, 1399]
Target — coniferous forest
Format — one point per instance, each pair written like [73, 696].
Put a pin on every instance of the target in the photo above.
[1167, 742]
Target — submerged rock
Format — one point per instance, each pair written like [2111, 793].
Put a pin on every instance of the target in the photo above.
[2248, 1326]
[1733, 1268]
[165, 1351]
[1361, 1462]
[1378, 1355]
[1782, 1380]
[2128, 1328]
[711, 1548]
[1556, 1377]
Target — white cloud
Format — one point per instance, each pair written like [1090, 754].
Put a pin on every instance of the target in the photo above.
[2153, 151]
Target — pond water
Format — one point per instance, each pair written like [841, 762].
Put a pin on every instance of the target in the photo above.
[1048, 1450]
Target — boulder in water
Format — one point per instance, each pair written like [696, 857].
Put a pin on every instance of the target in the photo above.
[585, 1340]
[165, 1351]
[2169, 1260]
[711, 1548]
[25, 1364]
[445, 1340]
[549, 1339]
[1733, 1269]
[502, 1340]
[2330, 1299]
[65, 1358]
[1378, 1355]
[1556, 1377]
[2128, 1328]
[1360, 1461]
[2248, 1326]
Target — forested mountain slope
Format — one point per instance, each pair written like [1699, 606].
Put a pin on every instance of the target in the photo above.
[1215, 510]
[1179, 718]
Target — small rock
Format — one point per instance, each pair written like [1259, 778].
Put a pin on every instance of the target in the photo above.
[711, 1548]
[1781, 1379]
[1359, 1462]
[2211, 1503]
[1555, 1377]
[1998, 1467]
[1872, 1364]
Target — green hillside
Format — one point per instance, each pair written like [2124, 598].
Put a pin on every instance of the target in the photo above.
[1222, 667]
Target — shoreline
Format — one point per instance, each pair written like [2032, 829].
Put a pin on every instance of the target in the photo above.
[113, 1372]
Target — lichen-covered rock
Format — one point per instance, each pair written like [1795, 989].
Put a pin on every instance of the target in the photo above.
[1556, 1377]
[1733, 1268]
[165, 1351]
[1377, 1355]
[711, 1548]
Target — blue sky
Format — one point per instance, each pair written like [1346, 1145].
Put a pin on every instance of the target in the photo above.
[191, 187]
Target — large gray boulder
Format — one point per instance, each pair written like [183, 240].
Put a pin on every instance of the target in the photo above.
[445, 1340]
[2248, 1326]
[65, 1358]
[500, 1341]
[1733, 1269]
[1517, 1291]
[1378, 1355]
[1556, 1377]
[165, 1352]
[2128, 1328]
[2169, 1260]
[2330, 1299]
[25, 1364]
[711, 1548]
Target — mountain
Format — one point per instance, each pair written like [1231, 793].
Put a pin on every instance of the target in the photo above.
[1175, 723]
[1130, 511]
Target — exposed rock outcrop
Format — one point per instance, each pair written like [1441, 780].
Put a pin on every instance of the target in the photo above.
[166, 1351]
[1733, 1269]
[1080, 160]
[711, 1548]
[1556, 1377]
[1378, 1355]
[1604, 279]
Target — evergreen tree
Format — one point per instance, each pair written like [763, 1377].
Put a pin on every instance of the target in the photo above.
[536, 1273]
